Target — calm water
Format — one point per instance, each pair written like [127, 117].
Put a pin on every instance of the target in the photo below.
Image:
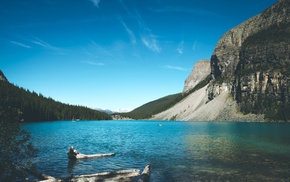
[177, 151]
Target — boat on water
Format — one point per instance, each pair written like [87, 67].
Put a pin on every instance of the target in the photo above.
[73, 154]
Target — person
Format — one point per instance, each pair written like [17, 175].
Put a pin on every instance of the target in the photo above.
[72, 153]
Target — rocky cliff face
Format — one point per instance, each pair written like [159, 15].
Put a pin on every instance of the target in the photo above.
[250, 74]
[226, 55]
[253, 61]
[200, 71]
[2, 77]
[263, 74]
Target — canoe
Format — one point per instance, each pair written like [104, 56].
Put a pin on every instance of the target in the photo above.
[84, 156]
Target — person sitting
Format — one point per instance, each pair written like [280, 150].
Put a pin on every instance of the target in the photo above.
[72, 153]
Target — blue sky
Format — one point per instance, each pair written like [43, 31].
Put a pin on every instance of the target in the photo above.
[112, 54]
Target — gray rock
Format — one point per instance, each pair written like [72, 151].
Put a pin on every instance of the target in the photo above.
[253, 59]
[200, 71]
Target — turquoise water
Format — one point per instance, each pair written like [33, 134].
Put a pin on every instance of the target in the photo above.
[177, 151]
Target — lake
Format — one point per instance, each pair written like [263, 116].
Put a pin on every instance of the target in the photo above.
[177, 151]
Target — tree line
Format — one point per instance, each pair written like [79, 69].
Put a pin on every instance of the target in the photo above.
[35, 107]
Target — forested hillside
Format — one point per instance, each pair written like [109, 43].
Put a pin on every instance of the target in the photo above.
[35, 107]
[147, 110]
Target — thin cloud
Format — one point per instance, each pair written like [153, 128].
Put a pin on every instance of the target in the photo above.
[93, 63]
[184, 10]
[151, 42]
[47, 46]
[174, 68]
[124, 6]
[140, 21]
[103, 50]
[180, 47]
[130, 33]
[43, 44]
[96, 2]
[147, 38]
[20, 44]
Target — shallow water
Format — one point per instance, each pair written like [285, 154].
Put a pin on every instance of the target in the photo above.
[177, 151]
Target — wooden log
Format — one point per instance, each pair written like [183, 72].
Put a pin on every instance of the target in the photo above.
[74, 154]
[145, 176]
[113, 176]
[84, 156]
[41, 177]
[121, 175]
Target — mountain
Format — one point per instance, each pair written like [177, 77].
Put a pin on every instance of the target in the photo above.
[250, 73]
[147, 110]
[198, 79]
[200, 71]
[252, 60]
[3, 77]
[105, 110]
[35, 107]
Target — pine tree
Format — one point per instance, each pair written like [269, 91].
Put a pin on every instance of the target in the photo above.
[16, 149]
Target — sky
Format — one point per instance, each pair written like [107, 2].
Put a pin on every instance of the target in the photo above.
[112, 54]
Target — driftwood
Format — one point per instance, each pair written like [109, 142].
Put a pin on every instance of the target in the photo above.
[145, 176]
[84, 156]
[41, 177]
[121, 175]
[74, 154]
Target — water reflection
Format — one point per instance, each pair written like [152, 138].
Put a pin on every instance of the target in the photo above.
[70, 166]
[233, 151]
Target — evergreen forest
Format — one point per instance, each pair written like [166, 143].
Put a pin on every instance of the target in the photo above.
[154, 107]
[35, 107]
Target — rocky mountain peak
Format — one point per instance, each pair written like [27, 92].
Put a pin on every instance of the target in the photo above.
[252, 60]
[226, 54]
[3, 77]
[200, 71]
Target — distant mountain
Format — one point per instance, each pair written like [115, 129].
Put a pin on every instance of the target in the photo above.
[35, 107]
[108, 111]
[105, 111]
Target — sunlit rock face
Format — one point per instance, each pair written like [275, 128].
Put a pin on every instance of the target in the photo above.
[2, 77]
[200, 71]
[226, 55]
[253, 61]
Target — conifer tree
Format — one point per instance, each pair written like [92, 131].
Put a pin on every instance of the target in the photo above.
[16, 150]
